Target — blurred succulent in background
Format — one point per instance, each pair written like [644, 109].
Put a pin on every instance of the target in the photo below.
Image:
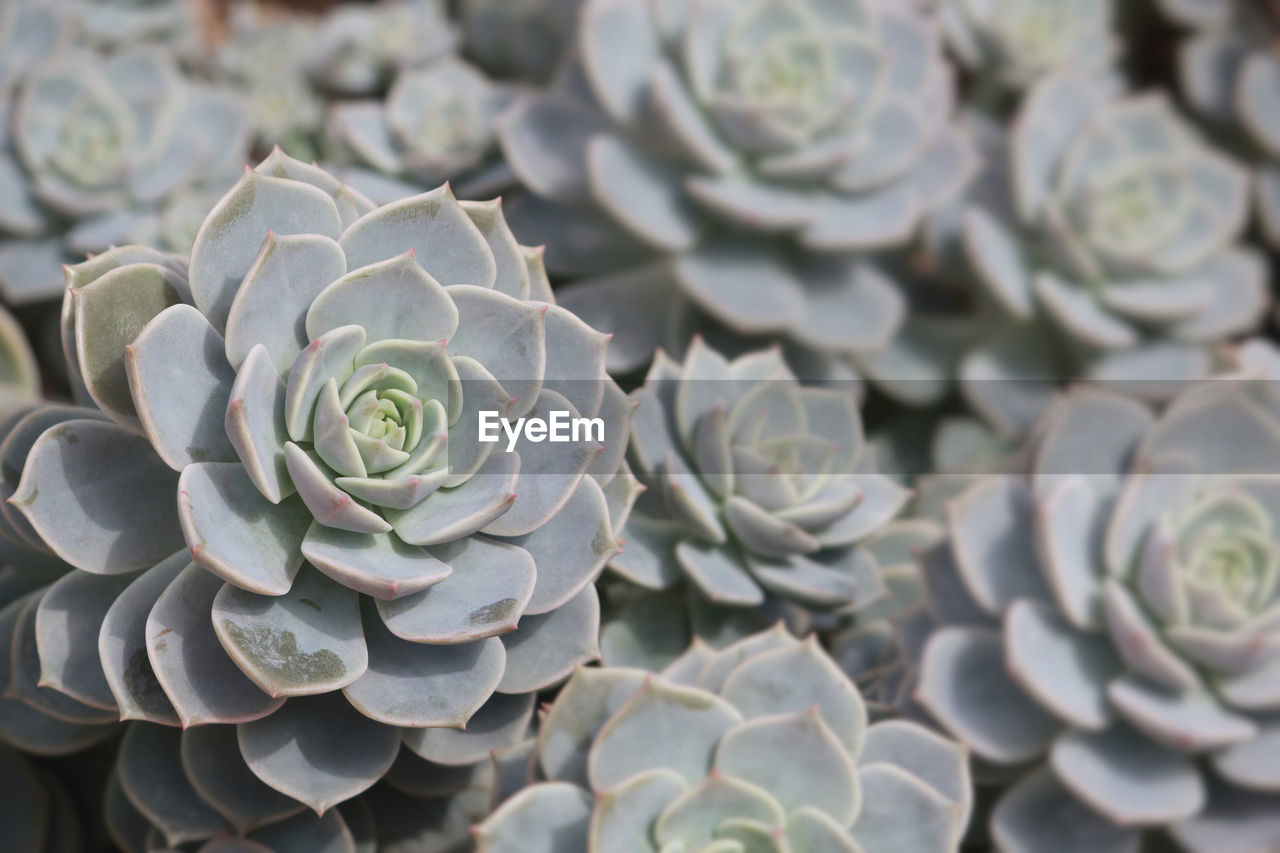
[1230, 74]
[339, 538]
[1015, 43]
[358, 48]
[521, 39]
[1111, 632]
[38, 812]
[757, 486]
[436, 124]
[757, 149]
[1104, 236]
[29, 32]
[121, 24]
[762, 746]
[19, 373]
[265, 55]
[90, 151]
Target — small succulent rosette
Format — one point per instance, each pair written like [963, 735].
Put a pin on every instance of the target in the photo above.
[738, 160]
[1103, 239]
[91, 151]
[437, 124]
[1109, 636]
[1015, 43]
[358, 48]
[279, 513]
[1230, 74]
[524, 40]
[762, 746]
[758, 491]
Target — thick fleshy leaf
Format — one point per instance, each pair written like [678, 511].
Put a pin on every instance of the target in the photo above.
[181, 382]
[679, 727]
[1049, 121]
[1188, 721]
[1039, 807]
[318, 750]
[236, 533]
[373, 298]
[930, 757]
[517, 357]
[306, 641]
[881, 219]
[545, 649]
[109, 313]
[152, 776]
[810, 829]
[747, 285]
[230, 238]
[500, 723]
[756, 688]
[122, 645]
[71, 492]
[696, 814]
[255, 424]
[624, 817]
[1078, 313]
[26, 683]
[899, 812]
[549, 476]
[797, 759]
[422, 684]
[585, 704]
[1236, 820]
[327, 503]
[1069, 540]
[719, 573]
[1127, 778]
[270, 307]
[483, 595]
[202, 682]
[1067, 671]
[381, 566]
[68, 621]
[631, 305]
[650, 632]
[546, 818]
[212, 763]
[453, 513]
[994, 253]
[642, 193]
[442, 237]
[330, 356]
[544, 137]
[1139, 642]
[992, 540]
[964, 684]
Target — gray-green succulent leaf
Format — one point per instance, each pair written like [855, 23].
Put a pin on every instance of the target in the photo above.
[763, 745]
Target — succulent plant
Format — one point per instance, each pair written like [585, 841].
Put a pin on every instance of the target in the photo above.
[116, 24]
[173, 788]
[1015, 43]
[437, 124]
[19, 373]
[762, 746]
[757, 486]
[314, 541]
[521, 39]
[1104, 236]
[1110, 626]
[756, 150]
[28, 33]
[92, 147]
[358, 48]
[39, 812]
[1230, 74]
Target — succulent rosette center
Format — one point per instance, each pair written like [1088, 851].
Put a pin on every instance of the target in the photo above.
[1227, 559]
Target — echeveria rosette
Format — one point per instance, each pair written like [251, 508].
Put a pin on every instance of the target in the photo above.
[757, 149]
[436, 124]
[92, 148]
[293, 417]
[757, 486]
[1111, 253]
[358, 48]
[1230, 74]
[1109, 635]
[762, 746]
[1015, 43]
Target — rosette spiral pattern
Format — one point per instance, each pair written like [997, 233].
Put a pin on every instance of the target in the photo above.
[762, 746]
[757, 147]
[281, 495]
[1109, 620]
[92, 148]
[758, 485]
[1107, 224]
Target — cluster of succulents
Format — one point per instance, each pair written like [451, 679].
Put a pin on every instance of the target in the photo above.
[929, 497]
